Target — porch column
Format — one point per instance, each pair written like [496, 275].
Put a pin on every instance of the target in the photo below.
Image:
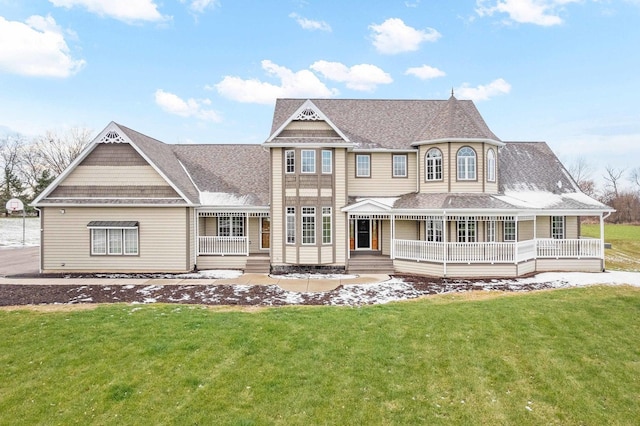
[602, 239]
[445, 242]
[535, 236]
[393, 236]
[348, 236]
[515, 251]
[246, 245]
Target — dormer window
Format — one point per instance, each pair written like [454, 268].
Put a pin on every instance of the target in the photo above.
[491, 166]
[466, 163]
[433, 164]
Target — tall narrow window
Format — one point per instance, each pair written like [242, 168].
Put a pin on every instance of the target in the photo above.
[290, 161]
[291, 225]
[363, 165]
[466, 163]
[490, 231]
[433, 164]
[509, 230]
[557, 227]
[327, 161]
[308, 161]
[326, 225]
[466, 231]
[491, 166]
[399, 166]
[308, 225]
[434, 230]
[98, 241]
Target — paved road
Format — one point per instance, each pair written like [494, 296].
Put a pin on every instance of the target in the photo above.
[22, 260]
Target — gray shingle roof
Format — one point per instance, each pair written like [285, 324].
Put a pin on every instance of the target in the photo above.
[393, 124]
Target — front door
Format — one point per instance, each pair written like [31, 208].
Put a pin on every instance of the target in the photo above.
[265, 233]
[363, 234]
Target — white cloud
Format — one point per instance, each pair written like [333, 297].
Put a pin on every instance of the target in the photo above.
[36, 48]
[364, 77]
[394, 36]
[199, 6]
[483, 93]
[309, 24]
[173, 104]
[122, 10]
[538, 12]
[425, 72]
[303, 83]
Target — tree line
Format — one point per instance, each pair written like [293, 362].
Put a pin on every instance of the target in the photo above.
[30, 165]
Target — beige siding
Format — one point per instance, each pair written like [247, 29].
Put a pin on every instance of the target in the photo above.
[114, 176]
[406, 230]
[437, 185]
[326, 255]
[277, 213]
[491, 271]
[291, 254]
[490, 187]
[308, 255]
[341, 239]
[527, 267]
[308, 125]
[222, 262]
[254, 235]
[162, 241]
[465, 186]
[525, 230]
[543, 227]
[571, 227]
[385, 236]
[582, 265]
[421, 268]
[381, 182]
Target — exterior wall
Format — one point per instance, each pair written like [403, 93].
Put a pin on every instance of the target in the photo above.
[254, 235]
[582, 265]
[571, 227]
[277, 207]
[525, 230]
[419, 268]
[407, 230]
[437, 185]
[340, 223]
[485, 270]
[114, 176]
[222, 262]
[163, 237]
[463, 185]
[543, 227]
[381, 182]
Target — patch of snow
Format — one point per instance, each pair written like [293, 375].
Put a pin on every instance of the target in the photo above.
[531, 199]
[11, 232]
[220, 274]
[583, 198]
[314, 276]
[224, 199]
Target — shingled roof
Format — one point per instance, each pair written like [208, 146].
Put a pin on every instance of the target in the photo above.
[393, 124]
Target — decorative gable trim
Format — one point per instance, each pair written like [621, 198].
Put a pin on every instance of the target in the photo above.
[370, 205]
[112, 136]
[308, 111]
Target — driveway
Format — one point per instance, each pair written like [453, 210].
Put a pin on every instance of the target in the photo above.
[22, 260]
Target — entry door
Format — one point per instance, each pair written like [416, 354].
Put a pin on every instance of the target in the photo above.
[265, 231]
[363, 234]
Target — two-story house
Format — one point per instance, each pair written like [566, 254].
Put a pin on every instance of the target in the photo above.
[415, 186]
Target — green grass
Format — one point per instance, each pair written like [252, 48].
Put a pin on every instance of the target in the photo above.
[558, 357]
[625, 243]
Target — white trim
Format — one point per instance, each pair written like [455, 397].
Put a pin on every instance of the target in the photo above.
[308, 104]
[459, 140]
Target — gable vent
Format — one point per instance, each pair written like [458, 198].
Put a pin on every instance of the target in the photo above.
[308, 115]
[112, 137]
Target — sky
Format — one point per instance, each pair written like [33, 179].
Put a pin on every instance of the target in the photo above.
[208, 71]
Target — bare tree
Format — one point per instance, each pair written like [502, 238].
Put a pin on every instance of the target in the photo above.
[634, 177]
[613, 176]
[10, 181]
[581, 171]
[57, 151]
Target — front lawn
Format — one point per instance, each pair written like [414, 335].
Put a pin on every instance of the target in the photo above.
[553, 357]
[624, 253]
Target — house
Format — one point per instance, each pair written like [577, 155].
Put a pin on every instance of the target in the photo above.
[411, 186]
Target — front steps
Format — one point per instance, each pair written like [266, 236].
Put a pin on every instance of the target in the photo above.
[370, 263]
[258, 265]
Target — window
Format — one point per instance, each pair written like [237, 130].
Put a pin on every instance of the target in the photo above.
[118, 238]
[291, 225]
[466, 164]
[231, 226]
[399, 166]
[491, 166]
[466, 231]
[363, 165]
[557, 227]
[308, 161]
[433, 164]
[326, 225]
[327, 161]
[308, 225]
[509, 230]
[290, 161]
[490, 231]
[434, 230]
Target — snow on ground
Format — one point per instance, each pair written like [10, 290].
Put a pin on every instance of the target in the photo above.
[313, 276]
[11, 232]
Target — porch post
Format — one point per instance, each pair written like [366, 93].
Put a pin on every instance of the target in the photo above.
[515, 251]
[393, 236]
[246, 244]
[535, 236]
[348, 235]
[445, 242]
[197, 228]
[602, 239]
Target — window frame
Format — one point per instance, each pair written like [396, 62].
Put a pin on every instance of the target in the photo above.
[465, 232]
[491, 165]
[327, 168]
[112, 235]
[434, 230]
[304, 161]
[434, 163]
[308, 218]
[327, 225]
[468, 167]
[290, 161]
[290, 225]
[404, 165]
[554, 227]
[490, 231]
[358, 165]
[231, 226]
[509, 231]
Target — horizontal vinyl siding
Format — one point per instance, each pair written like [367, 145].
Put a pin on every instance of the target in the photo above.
[222, 262]
[434, 185]
[326, 255]
[571, 227]
[277, 219]
[254, 235]
[475, 270]
[452, 166]
[525, 230]
[527, 267]
[308, 255]
[566, 265]
[381, 182]
[420, 268]
[340, 237]
[114, 176]
[162, 240]
[543, 227]
[406, 230]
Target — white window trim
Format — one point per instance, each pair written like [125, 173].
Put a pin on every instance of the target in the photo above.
[326, 214]
[554, 223]
[469, 164]
[491, 165]
[505, 224]
[303, 164]
[433, 162]
[108, 231]
[308, 232]
[329, 170]
[358, 170]
[236, 226]
[293, 161]
[466, 235]
[290, 225]
[434, 230]
[490, 231]
[403, 157]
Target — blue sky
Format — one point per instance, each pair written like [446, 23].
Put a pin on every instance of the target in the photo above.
[208, 71]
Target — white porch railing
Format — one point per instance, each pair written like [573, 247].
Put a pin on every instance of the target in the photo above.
[570, 248]
[496, 252]
[223, 246]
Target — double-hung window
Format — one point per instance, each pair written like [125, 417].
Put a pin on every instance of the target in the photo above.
[557, 227]
[490, 231]
[363, 165]
[326, 225]
[433, 164]
[308, 161]
[509, 230]
[434, 230]
[308, 225]
[291, 225]
[327, 161]
[399, 166]
[290, 161]
[491, 166]
[466, 163]
[114, 238]
[231, 226]
[466, 231]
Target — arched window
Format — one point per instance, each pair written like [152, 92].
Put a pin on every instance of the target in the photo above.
[433, 164]
[466, 163]
[491, 166]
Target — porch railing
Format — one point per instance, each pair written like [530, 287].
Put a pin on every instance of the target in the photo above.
[429, 251]
[223, 246]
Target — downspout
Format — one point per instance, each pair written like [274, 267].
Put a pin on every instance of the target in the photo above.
[40, 252]
[418, 170]
[196, 238]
